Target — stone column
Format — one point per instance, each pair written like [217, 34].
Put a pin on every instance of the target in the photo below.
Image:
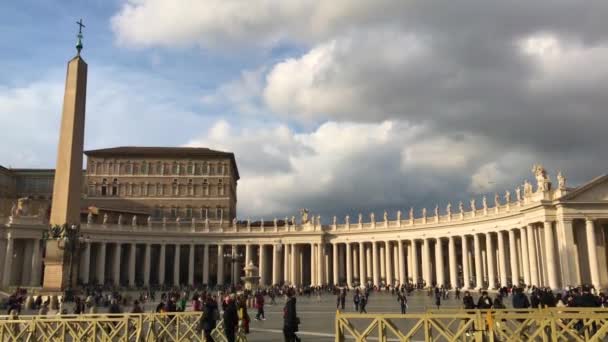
[292, 266]
[132, 250]
[415, 275]
[147, 264]
[286, 261]
[375, 270]
[234, 264]
[206, 264]
[161, 260]
[349, 266]
[465, 263]
[567, 253]
[24, 265]
[220, 264]
[85, 261]
[321, 263]
[389, 264]
[8, 262]
[592, 248]
[452, 261]
[502, 262]
[36, 263]
[381, 254]
[335, 262]
[262, 265]
[513, 258]
[402, 279]
[362, 275]
[490, 257]
[116, 273]
[191, 265]
[313, 270]
[426, 262]
[247, 254]
[478, 270]
[176, 263]
[524, 255]
[439, 271]
[275, 265]
[101, 264]
[550, 255]
[532, 255]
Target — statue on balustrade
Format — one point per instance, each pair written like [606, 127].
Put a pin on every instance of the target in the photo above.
[436, 210]
[134, 220]
[448, 209]
[561, 181]
[360, 218]
[484, 202]
[461, 207]
[473, 206]
[496, 200]
[527, 188]
[542, 181]
[234, 222]
[411, 213]
[518, 194]
[423, 212]
[105, 219]
[304, 215]
[385, 216]
[398, 215]
[21, 207]
[335, 220]
[372, 217]
[120, 219]
[274, 221]
[347, 220]
[507, 196]
[90, 218]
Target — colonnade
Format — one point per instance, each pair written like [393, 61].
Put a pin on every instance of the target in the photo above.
[529, 254]
[20, 261]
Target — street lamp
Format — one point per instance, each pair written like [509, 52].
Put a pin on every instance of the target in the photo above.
[234, 256]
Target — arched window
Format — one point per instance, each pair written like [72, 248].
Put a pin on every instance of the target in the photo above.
[104, 187]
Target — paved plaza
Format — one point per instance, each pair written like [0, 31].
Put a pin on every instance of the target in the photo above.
[318, 317]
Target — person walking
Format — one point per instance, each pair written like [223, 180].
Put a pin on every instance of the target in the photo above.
[362, 304]
[290, 318]
[356, 301]
[438, 299]
[259, 303]
[231, 319]
[403, 303]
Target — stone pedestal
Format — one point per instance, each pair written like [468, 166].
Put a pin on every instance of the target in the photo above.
[57, 267]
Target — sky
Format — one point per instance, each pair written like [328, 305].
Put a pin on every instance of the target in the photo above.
[342, 107]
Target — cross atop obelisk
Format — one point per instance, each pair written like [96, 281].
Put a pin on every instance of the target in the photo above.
[79, 43]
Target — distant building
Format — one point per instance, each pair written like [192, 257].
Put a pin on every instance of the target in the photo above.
[168, 182]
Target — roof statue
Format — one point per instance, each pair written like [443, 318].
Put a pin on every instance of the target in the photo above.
[561, 181]
[461, 207]
[304, 215]
[496, 200]
[398, 215]
[507, 196]
[411, 213]
[385, 216]
[448, 209]
[542, 181]
[484, 202]
[473, 206]
[335, 220]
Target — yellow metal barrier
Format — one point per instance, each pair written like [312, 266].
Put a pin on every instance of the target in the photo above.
[169, 327]
[552, 324]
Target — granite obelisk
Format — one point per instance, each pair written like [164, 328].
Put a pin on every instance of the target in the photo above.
[65, 209]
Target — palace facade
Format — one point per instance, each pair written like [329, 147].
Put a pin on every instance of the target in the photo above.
[543, 235]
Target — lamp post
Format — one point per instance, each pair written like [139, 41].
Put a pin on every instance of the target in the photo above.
[234, 257]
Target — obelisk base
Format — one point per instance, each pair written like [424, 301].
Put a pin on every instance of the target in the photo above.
[57, 268]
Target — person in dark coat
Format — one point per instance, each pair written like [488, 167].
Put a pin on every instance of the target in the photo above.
[520, 300]
[290, 318]
[484, 301]
[467, 301]
[209, 317]
[231, 319]
[586, 299]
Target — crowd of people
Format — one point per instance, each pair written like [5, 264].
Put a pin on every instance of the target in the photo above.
[231, 304]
